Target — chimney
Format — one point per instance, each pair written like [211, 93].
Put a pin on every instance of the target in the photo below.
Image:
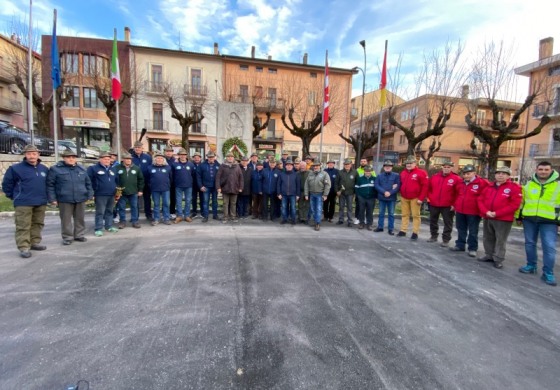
[465, 92]
[216, 51]
[305, 59]
[546, 46]
[270, 58]
[127, 34]
[252, 51]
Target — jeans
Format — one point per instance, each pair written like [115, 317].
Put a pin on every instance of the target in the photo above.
[243, 205]
[467, 231]
[345, 201]
[366, 210]
[104, 212]
[548, 241]
[121, 207]
[206, 199]
[179, 192]
[388, 205]
[447, 216]
[159, 198]
[270, 210]
[197, 199]
[316, 201]
[291, 199]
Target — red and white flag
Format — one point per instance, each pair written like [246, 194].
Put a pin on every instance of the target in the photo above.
[326, 92]
[116, 90]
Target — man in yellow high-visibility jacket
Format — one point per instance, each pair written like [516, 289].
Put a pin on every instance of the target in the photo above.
[539, 213]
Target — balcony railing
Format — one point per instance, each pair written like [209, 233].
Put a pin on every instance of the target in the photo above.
[544, 108]
[265, 135]
[545, 150]
[268, 104]
[10, 105]
[199, 129]
[154, 87]
[505, 150]
[158, 126]
[487, 123]
[195, 90]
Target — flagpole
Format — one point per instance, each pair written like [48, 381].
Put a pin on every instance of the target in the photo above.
[323, 112]
[55, 112]
[117, 99]
[382, 103]
[30, 75]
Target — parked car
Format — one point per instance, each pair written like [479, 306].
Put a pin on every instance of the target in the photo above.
[13, 140]
[85, 152]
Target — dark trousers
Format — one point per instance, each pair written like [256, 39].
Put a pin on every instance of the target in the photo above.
[30, 221]
[304, 211]
[467, 231]
[197, 198]
[270, 204]
[329, 205]
[243, 205]
[447, 216]
[104, 211]
[72, 220]
[366, 210]
[494, 238]
[172, 200]
[147, 195]
[257, 204]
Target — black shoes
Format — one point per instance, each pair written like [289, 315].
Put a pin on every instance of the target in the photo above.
[80, 239]
[283, 222]
[25, 254]
[391, 233]
[377, 230]
[340, 223]
[317, 227]
[401, 234]
[66, 242]
[37, 247]
[205, 219]
[414, 237]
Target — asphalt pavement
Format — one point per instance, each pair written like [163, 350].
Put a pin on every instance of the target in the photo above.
[253, 305]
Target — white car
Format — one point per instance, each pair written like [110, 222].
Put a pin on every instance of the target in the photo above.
[84, 152]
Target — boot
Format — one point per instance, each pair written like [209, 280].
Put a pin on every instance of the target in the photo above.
[178, 219]
[317, 227]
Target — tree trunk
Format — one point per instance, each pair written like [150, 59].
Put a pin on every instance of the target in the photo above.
[305, 145]
[185, 136]
[493, 155]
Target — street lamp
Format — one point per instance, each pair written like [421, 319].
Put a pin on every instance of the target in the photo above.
[359, 154]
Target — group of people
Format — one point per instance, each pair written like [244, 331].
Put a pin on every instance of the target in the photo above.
[286, 190]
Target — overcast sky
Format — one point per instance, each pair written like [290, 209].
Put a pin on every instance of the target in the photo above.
[286, 29]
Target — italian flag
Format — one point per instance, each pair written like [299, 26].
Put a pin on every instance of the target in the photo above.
[116, 90]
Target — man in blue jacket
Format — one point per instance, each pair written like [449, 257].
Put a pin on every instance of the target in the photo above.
[288, 189]
[257, 190]
[183, 176]
[26, 184]
[206, 179]
[104, 181]
[387, 184]
[143, 161]
[69, 187]
[160, 175]
[197, 195]
[270, 199]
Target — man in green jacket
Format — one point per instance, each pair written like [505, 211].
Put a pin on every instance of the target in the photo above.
[539, 214]
[366, 194]
[317, 187]
[345, 183]
[131, 182]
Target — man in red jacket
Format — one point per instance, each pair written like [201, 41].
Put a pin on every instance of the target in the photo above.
[467, 215]
[442, 192]
[414, 188]
[498, 204]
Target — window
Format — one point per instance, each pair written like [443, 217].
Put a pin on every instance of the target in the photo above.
[272, 96]
[70, 63]
[157, 113]
[272, 70]
[196, 127]
[196, 81]
[259, 69]
[312, 98]
[271, 129]
[402, 139]
[244, 67]
[480, 117]
[95, 65]
[258, 92]
[413, 112]
[404, 115]
[157, 78]
[313, 75]
[75, 97]
[90, 99]
[244, 93]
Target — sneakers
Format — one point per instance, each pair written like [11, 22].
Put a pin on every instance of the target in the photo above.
[154, 223]
[112, 229]
[66, 242]
[432, 239]
[444, 244]
[37, 247]
[548, 278]
[98, 233]
[456, 249]
[414, 237]
[377, 230]
[401, 234]
[25, 253]
[472, 253]
[528, 269]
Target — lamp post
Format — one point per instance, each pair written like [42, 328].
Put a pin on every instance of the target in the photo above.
[363, 44]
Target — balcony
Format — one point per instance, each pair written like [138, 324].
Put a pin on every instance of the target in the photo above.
[10, 105]
[504, 151]
[5, 76]
[487, 124]
[545, 150]
[154, 87]
[199, 129]
[157, 126]
[544, 108]
[268, 104]
[274, 136]
[195, 90]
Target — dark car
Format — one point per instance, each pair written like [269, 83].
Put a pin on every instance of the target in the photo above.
[14, 139]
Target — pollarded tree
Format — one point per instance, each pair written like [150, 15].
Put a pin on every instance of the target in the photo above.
[367, 140]
[427, 155]
[493, 81]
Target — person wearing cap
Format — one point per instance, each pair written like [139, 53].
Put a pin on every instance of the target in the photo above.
[270, 197]
[304, 212]
[131, 182]
[442, 192]
[206, 180]
[467, 214]
[244, 198]
[498, 204]
[270, 156]
[169, 154]
[197, 194]
[284, 158]
[366, 194]
[104, 181]
[25, 183]
[143, 161]
[360, 172]
[316, 189]
[539, 215]
[257, 190]
[288, 190]
[388, 185]
[229, 182]
[184, 175]
[414, 189]
[160, 175]
[114, 158]
[253, 161]
[297, 162]
[69, 187]
[330, 204]
[309, 161]
[345, 189]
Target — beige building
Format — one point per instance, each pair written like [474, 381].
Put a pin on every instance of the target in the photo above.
[546, 71]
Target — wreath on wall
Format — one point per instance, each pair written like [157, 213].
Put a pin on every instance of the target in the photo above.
[236, 146]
